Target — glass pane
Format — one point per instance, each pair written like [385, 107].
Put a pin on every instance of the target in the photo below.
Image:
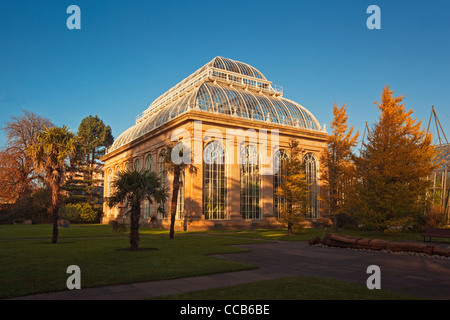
[250, 183]
[252, 106]
[219, 99]
[214, 182]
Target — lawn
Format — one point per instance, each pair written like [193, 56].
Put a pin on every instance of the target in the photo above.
[36, 266]
[30, 264]
[291, 288]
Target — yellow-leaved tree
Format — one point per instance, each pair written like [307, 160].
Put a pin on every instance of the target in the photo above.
[293, 190]
[338, 170]
[393, 166]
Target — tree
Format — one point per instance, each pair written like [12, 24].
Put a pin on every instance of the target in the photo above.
[50, 151]
[93, 137]
[337, 170]
[393, 167]
[174, 161]
[131, 188]
[293, 190]
[17, 175]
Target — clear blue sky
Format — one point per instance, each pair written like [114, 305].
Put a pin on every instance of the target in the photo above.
[127, 53]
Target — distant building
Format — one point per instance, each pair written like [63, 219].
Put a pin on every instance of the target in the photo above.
[238, 126]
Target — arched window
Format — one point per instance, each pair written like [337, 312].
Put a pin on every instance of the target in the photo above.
[180, 201]
[148, 166]
[250, 183]
[279, 158]
[214, 181]
[162, 173]
[149, 163]
[137, 164]
[311, 167]
[110, 179]
[182, 150]
[129, 166]
[116, 207]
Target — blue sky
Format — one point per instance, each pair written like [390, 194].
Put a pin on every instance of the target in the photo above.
[127, 53]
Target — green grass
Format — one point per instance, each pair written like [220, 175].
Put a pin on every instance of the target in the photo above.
[37, 266]
[291, 288]
[43, 231]
[310, 233]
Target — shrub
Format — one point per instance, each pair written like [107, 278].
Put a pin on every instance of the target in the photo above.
[435, 217]
[117, 227]
[79, 213]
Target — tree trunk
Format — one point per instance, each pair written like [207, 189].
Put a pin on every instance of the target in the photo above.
[173, 208]
[134, 226]
[289, 228]
[54, 210]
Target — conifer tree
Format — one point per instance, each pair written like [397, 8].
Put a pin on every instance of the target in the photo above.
[92, 139]
[337, 170]
[393, 167]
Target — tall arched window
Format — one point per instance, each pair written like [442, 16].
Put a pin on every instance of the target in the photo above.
[137, 164]
[148, 166]
[279, 158]
[214, 181]
[250, 183]
[180, 201]
[110, 179]
[149, 163]
[163, 176]
[116, 207]
[311, 167]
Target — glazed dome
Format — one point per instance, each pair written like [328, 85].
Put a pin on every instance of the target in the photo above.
[227, 87]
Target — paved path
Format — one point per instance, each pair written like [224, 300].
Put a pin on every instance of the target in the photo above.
[423, 277]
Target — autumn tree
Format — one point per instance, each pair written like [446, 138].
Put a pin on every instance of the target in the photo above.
[337, 170]
[17, 175]
[50, 153]
[393, 166]
[293, 190]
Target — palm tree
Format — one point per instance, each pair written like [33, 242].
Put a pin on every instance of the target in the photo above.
[131, 188]
[49, 153]
[177, 167]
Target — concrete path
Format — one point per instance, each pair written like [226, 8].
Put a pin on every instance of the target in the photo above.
[423, 277]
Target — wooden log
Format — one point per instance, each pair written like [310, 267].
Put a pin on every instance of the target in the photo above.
[441, 251]
[405, 247]
[344, 241]
[326, 239]
[363, 243]
[314, 241]
[377, 244]
[428, 249]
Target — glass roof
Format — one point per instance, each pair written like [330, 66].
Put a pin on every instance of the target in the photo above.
[221, 98]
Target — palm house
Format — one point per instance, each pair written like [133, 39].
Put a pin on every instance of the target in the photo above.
[237, 126]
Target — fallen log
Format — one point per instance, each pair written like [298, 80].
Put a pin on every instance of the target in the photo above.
[377, 244]
[314, 241]
[441, 251]
[342, 241]
[405, 246]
